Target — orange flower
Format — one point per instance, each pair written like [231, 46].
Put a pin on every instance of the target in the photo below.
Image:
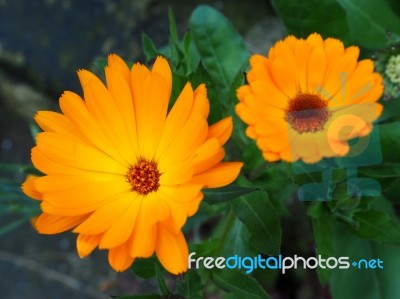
[122, 171]
[308, 98]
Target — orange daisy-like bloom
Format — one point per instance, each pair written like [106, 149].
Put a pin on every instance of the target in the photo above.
[308, 98]
[122, 171]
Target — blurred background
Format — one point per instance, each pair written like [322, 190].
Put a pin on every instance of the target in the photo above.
[42, 45]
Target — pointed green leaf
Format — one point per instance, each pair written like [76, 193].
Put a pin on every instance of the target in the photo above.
[239, 284]
[221, 48]
[256, 211]
[372, 283]
[302, 18]
[190, 287]
[377, 226]
[144, 267]
[369, 21]
[149, 48]
[322, 229]
[223, 194]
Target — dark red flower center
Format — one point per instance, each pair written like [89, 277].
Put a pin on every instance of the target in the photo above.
[307, 113]
[144, 177]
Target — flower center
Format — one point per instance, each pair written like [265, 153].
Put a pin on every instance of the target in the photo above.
[393, 69]
[307, 113]
[144, 177]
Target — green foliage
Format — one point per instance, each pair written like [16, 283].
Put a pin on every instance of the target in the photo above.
[222, 50]
[364, 283]
[369, 21]
[259, 216]
[190, 286]
[302, 18]
[365, 23]
[238, 284]
[218, 195]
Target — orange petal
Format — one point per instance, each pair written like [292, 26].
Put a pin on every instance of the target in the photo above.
[151, 98]
[201, 103]
[29, 187]
[121, 94]
[119, 258]
[71, 153]
[85, 244]
[176, 119]
[76, 111]
[122, 227]
[84, 198]
[221, 130]
[221, 175]
[117, 64]
[172, 251]
[54, 224]
[161, 67]
[102, 218]
[208, 155]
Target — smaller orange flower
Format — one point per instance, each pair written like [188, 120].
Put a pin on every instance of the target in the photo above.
[308, 98]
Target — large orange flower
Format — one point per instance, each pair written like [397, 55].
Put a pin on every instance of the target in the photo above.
[308, 98]
[122, 171]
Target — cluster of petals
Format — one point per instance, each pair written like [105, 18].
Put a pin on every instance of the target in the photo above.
[308, 98]
[122, 169]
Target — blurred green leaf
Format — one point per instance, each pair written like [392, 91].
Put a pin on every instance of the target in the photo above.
[377, 226]
[223, 194]
[258, 214]
[161, 281]
[149, 49]
[144, 267]
[190, 287]
[192, 56]
[239, 284]
[221, 48]
[390, 141]
[322, 229]
[101, 63]
[369, 21]
[364, 283]
[302, 18]
[150, 296]
[237, 241]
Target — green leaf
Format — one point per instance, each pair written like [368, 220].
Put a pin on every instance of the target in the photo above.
[221, 48]
[390, 141]
[237, 241]
[144, 267]
[223, 194]
[258, 214]
[190, 287]
[364, 283]
[150, 296]
[302, 18]
[369, 21]
[101, 63]
[239, 284]
[161, 281]
[149, 48]
[377, 226]
[322, 228]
